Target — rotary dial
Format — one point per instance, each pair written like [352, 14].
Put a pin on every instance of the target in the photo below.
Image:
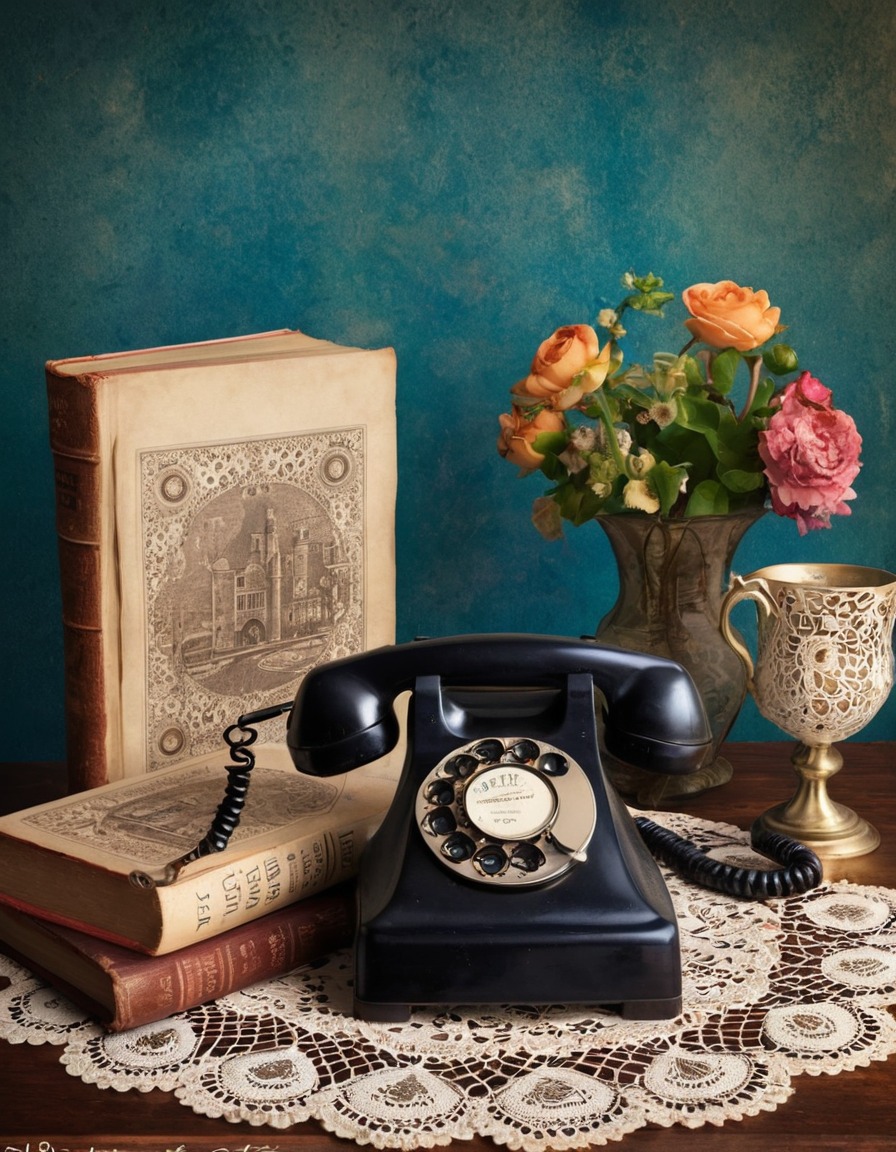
[507, 812]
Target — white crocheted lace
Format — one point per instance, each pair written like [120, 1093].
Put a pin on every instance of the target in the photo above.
[771, 990]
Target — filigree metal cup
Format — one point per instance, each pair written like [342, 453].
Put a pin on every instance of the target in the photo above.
[824, 667]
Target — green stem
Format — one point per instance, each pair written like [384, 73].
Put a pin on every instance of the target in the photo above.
[755, 363]
[606, 418]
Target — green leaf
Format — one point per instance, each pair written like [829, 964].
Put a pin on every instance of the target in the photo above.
[550, 445]
[724, 369]
[709, 498]
[651, 302]
[693, 370]
[629, 394]
[737, 449]
[553, 442]
[738, 480]
[700, 415]
[578, 504]
[666, 482]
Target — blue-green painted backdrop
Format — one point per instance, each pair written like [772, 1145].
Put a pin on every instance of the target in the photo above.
[455, 179]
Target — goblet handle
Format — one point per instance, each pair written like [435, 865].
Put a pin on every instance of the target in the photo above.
[741, 589]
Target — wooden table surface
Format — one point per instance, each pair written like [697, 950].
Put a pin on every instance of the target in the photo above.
[43, 1109]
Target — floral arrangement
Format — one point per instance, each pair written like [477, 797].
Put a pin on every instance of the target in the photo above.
[668, 439]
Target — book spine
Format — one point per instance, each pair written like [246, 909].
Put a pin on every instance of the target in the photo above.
[155, 987]
[215, 901]
[144, 989]
[75, 445]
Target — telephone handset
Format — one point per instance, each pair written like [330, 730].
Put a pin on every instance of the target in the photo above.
[507, 869]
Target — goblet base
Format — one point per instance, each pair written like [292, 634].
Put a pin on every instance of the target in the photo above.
[812, 817]
[847, 835]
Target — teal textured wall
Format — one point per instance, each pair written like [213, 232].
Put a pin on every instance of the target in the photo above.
[457, 180]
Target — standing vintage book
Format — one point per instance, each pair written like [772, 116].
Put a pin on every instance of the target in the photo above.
[70, 860]
[225, 521]
[123, 989]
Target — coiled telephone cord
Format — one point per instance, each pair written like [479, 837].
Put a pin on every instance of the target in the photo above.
[801, 869]
[239, 738]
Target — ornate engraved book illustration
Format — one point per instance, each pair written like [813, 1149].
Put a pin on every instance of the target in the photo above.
[225, 517]
[254, 571]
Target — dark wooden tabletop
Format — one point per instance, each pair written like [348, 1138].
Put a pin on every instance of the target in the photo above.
[43, 1108]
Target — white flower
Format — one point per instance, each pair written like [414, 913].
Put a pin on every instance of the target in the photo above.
[623, 439]
[583, 438]
[609, 318]
[641, 464]
[663, 412]
[637, 494]
[574, 460]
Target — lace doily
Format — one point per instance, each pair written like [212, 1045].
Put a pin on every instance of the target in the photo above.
[771, 990]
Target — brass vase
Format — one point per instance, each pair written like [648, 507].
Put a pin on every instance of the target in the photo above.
[672, 577]
[824, 667]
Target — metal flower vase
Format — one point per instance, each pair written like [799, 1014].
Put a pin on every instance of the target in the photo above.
[824, 667]
[672, 577]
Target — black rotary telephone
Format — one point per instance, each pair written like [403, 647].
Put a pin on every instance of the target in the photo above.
[507, 870]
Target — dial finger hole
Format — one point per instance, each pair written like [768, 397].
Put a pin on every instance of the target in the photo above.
[487, 750]
[440, 822]
[439, 792]
[458, 848]
[460, 767]
[527, 857]
[490, 860]
[553, 764]
[525, 751]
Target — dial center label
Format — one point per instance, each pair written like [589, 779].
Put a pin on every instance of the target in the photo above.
[510, 802]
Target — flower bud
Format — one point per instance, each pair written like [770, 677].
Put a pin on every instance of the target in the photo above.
[780, 359]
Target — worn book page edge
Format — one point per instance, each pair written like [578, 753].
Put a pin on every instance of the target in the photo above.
[361, 793]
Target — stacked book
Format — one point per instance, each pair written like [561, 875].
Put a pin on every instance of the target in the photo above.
[278, 896]
[225, 522]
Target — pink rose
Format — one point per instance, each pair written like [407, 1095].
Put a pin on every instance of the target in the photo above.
[811, 455]
[518, 431]
[728, 316]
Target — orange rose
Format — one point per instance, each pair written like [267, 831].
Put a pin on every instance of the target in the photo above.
[518, 432]
[571, 351]
[566, 353]
[728, 316]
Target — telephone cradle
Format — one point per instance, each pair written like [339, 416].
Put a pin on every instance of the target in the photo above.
[507, 869]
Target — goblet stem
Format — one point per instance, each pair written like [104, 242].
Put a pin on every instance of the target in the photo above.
[812, 817]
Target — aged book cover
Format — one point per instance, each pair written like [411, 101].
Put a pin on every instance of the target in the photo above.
[123, 989]
[70, 860]
[225, 521]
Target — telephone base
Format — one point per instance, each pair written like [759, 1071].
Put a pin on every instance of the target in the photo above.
[380, 1013]
[666, 1009]
[601, 931]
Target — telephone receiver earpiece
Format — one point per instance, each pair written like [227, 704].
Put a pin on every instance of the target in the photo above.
[343, 714]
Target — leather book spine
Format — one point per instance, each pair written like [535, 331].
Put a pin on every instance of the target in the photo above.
[151, 988]
[75, 445]
[144, 989]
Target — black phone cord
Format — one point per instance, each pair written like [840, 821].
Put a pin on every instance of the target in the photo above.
[239, 738]
[801, 868]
